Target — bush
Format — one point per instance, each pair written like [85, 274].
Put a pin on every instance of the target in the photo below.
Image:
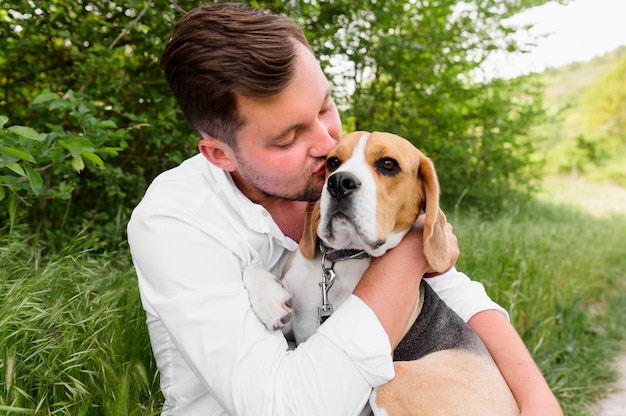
[101, 61]
[36, 168]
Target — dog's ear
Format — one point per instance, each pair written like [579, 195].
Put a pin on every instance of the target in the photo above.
[435, 240]
[308, 243]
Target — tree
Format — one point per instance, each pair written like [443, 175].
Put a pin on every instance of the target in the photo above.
[405, 66]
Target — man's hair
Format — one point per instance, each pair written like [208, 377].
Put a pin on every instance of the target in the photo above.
[217, 52]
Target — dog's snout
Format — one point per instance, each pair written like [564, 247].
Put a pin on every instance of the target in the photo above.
[342, 184]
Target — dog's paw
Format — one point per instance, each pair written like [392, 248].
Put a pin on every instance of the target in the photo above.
[269, 299]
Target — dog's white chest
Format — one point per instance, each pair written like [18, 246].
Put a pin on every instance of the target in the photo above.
[304, 280]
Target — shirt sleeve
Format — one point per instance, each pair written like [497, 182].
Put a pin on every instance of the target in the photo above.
[191, 287]
[465, 296]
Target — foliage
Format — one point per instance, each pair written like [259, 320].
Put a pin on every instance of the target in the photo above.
[38, 166]
[105, 55]
[606, 102]
[407, 69]
[73, 339]
[585, 124]
[605, 107]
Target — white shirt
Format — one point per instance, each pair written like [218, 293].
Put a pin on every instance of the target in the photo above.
[191, 237]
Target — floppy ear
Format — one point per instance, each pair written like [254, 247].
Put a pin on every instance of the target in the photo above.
[308, 243]
[435, 241]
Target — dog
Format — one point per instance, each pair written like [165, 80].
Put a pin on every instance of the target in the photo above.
[377, 185]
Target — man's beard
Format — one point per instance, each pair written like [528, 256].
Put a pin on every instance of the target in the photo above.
[311, 191]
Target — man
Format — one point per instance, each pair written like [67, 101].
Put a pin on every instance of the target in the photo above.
[250, 86]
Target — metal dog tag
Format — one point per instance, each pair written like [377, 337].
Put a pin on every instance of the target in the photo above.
[326, 309]
[324, 312]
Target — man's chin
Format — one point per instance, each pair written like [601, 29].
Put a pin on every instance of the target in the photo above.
[311, 193]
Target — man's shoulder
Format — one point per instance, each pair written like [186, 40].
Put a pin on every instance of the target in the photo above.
[184, 187]
[195, 169]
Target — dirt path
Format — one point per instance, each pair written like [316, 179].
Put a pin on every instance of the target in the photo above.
[615, 403]
[598, 200]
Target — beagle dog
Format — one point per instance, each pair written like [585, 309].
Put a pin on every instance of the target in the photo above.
[377, 185]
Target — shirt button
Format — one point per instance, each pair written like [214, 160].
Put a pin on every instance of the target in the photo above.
[265, 213]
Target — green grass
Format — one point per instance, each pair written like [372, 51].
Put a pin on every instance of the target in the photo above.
[73, 339]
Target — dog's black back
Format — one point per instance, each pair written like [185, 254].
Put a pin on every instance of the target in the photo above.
[436, 328]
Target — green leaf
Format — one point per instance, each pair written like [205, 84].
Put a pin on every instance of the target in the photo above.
[12, 209]
[16, 167]
[78, 164]
[20, 154]
[110, 150]
[3, 120]
[73, 146]
[27, 133]
[34, 179]
[59, 104]
[2, 193]
[45, 97]
[110, 124]
[93, 157]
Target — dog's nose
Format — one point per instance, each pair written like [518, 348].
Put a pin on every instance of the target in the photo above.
[342, 184]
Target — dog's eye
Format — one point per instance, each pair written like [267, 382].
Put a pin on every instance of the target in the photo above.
[332, 163]
[388, 166]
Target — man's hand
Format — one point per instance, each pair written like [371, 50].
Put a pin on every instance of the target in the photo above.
[413, 242]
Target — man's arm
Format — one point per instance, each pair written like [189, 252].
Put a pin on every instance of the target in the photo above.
[532, 393]
[389, 290]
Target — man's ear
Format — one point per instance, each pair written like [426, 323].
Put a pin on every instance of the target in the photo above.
[218, 153]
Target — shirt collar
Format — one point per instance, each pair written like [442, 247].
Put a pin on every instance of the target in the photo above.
[254, 216]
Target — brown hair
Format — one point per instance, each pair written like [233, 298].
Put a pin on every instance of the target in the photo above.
[219, 51]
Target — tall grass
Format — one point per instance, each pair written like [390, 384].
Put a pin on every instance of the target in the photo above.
[73, 339]
[561, 273]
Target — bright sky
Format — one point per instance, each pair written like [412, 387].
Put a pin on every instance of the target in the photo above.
[577, 32]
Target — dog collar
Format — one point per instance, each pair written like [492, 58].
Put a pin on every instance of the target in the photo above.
[325, 310]
[331, 255]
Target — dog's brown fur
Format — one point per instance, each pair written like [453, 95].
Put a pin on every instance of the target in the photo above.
[420, 193]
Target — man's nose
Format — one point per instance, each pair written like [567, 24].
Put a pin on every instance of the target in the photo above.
[324, 141]
[328, 144]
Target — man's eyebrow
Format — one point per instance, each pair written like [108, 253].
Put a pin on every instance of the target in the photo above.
[298, 124]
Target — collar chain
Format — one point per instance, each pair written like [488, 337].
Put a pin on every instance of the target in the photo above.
[325, 310]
